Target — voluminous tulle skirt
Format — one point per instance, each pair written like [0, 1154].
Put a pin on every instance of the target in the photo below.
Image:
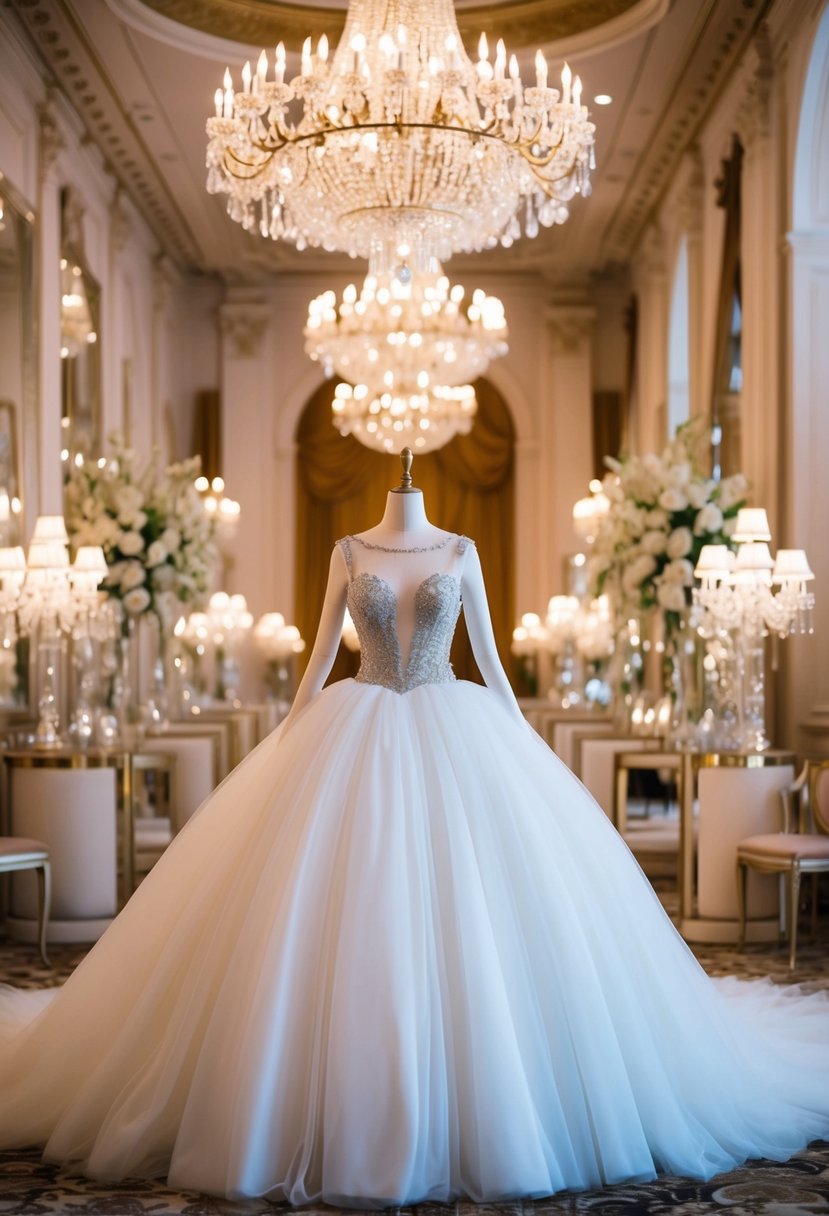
[401, 954]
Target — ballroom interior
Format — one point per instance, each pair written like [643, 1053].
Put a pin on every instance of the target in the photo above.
[675, 283]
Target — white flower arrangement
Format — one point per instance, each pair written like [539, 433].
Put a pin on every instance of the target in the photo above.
[662, 511]
[158, 539]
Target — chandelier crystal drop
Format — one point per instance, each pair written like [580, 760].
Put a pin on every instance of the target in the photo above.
[399, 128]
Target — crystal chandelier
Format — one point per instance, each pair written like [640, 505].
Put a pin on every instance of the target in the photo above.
[737, 608]
[423, 420]
[399, 136]
[407, 345]
[405, 329]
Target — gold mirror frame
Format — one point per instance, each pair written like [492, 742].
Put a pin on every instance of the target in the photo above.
[18, 419]
[80, 338]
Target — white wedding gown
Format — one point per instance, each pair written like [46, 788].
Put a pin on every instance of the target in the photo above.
[401, 954]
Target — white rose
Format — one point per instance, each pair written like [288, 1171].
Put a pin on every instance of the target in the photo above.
[132, 575]
[671, 596]
[709, 519]
[127, 500]
[130, 543]
[673, 499]
[698, 493]
[657, 518]
[137, 601]
[156, 554]
[732, 489]
[680, 571]
[171, 538]
[164, 577]
[637, 571]
[115, 571]
[654, 543]
[678, 475]
[680, 542]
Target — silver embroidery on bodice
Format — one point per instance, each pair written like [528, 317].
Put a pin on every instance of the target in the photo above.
[373, 607]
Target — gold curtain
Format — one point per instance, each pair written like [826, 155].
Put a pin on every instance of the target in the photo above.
[467, 486]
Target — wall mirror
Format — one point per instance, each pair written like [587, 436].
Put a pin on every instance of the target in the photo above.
[18, 418]
[80, 312]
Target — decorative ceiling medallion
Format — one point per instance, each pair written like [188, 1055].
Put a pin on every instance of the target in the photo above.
[524, 22]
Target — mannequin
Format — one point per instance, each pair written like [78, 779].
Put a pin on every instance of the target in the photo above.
[406, 528]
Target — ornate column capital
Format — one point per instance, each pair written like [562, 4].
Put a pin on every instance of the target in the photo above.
[120, 221]
[651, 259]
[50, 137]
[690, 202]
[161, 283]
[570, 325]
[754, 107]
[243, 325]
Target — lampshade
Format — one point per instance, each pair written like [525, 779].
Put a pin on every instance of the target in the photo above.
[90, 560]
[752, 525]
[561, 609]
[12, 560]
[792, 566]
[714, 562]
[12, 568]
[50, 527]
[753, 566]
[47, 554]
[89, 568]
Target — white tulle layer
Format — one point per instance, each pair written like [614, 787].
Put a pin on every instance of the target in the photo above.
[401, 954]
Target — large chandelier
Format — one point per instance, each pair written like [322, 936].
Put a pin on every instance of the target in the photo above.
[406, 347]
[398, 136]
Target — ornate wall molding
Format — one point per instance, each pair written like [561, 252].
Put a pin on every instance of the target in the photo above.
[243, 326]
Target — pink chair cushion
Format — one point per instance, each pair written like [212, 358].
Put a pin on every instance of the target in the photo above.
[785, 844]
[22, 847]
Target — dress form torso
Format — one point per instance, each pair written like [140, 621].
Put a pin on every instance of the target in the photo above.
[404, 550]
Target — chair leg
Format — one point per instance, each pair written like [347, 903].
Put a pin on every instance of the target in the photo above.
[741, 902]
[794, 908]
[44, 882]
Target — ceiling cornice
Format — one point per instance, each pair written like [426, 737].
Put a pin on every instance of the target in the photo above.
[580, 24]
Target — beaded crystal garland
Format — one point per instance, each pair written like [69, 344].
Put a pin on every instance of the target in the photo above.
[399, 131]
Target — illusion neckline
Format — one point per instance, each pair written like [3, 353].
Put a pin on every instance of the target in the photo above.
[441, 544]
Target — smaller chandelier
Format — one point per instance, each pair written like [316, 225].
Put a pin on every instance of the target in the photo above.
[408, 346]
[423, 420]
[404, 329]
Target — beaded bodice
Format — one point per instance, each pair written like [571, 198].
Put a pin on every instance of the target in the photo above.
[373, 607]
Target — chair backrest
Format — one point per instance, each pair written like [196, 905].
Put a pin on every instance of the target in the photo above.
[819, 794]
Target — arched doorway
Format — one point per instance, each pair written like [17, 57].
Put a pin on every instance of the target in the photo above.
[468, 486]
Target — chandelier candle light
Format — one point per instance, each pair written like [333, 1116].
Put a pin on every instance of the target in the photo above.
[397, 135]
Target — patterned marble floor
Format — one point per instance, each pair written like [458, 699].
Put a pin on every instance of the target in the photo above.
[799, 1187]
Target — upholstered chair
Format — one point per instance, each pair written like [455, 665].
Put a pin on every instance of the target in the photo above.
[21, 853]
[801, 848]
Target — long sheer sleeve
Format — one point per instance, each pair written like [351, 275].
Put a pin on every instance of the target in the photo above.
[328, 636]
[479, 627]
